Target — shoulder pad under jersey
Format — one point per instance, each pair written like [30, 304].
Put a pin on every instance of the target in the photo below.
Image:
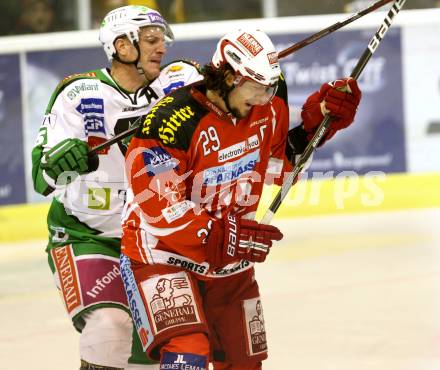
[177, 74]
[173, 119]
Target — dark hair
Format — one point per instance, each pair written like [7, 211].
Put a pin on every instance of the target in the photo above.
[214, 78]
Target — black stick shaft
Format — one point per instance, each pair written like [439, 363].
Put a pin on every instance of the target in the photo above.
[363, 60]
[291, 49]
[115, 138]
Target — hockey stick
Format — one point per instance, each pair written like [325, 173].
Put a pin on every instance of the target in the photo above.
[119, 137]
[363, 60]
[282, 54]
[334, 27]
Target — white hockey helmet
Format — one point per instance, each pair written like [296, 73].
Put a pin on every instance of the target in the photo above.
[127, 21]
[251, 54]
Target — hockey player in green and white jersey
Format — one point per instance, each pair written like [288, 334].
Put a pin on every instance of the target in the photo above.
[89, 190]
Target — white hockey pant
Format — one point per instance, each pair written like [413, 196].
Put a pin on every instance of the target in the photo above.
[106, 339]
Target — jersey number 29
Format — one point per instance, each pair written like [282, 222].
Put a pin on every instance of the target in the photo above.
[210, 140]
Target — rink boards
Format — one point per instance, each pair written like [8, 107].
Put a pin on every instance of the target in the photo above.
[342, 195]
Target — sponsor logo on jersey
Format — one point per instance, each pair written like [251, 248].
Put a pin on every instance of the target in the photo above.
[93, 115]
[138, 313]
[177, 210]
[239, 149]
[147, 121]
[79, 88]
[94, 124]
[258, 122]
[182, 361]
[188, 265]
[173, 86]
[231, 171]
[99, 281]
[176, 76]
[102, 282]
[99, 198]
[158, 160]
[243, 264]
[250, 43]
[90, 105]
[255, 330]
[171, 301]
[68, 276]
[175, 68]
[95, 141]
[171, 124]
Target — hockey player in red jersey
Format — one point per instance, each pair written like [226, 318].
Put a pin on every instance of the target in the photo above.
[84, 226]
[196, 169]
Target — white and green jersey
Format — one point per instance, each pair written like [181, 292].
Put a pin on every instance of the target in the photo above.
[93, 108]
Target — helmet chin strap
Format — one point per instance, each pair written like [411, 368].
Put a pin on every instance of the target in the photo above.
[134, 62]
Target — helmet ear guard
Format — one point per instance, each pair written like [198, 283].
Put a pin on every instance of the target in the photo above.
[127, 21]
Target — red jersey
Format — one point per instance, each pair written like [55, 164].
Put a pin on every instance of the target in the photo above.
[188, 165]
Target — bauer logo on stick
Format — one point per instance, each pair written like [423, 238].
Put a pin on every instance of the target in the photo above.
[374, 43]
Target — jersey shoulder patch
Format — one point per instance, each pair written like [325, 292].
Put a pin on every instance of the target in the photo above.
[173, 119]
[78, 76]
[79, 84]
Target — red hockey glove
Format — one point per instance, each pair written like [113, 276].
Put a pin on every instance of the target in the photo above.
[233, 239]
[339, 99]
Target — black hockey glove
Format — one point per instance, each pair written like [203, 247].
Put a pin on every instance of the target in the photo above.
[296, 143]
